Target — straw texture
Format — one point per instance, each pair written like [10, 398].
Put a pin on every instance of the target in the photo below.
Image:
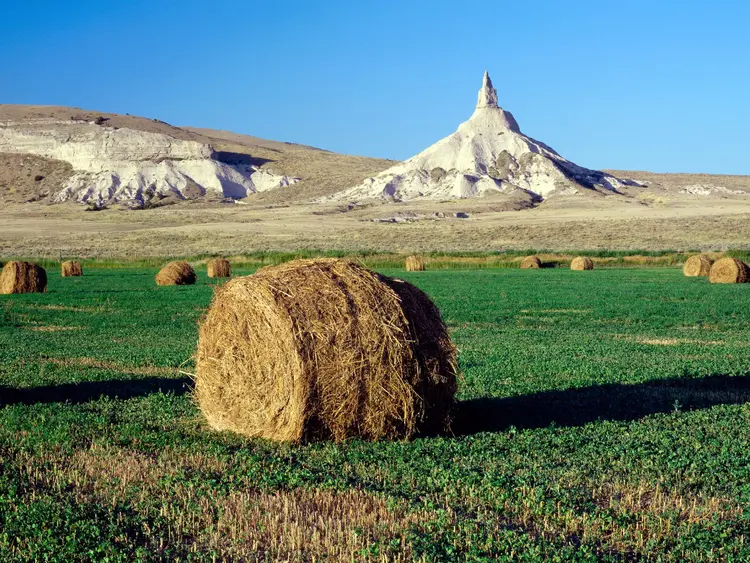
[698, 265]
[71, 269]
[414, 264]
[219, 268]
[176, 273]
[729, 270]
[531, 262]
[582, 263]
[324, 349]
[23, 277]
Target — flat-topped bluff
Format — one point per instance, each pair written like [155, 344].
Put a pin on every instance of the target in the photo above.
[126, 165]
[487, 154]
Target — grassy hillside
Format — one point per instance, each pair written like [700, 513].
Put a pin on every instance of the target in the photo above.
[602, 417]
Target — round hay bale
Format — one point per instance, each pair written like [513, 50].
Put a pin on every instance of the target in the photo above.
[219, 268]
[698, 265]
[176, 273]
[729, 270]
[531, 262]
[23, 277]
[582, 263]
[71, 269]
[324, 349]
[414, 264]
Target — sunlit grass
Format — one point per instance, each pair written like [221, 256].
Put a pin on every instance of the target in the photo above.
[602, 416]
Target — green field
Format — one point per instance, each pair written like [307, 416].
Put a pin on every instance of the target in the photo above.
[602, 416]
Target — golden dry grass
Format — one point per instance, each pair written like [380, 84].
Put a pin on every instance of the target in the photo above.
[193, 229]
[245, 524]
[414, 264]
[642, 514]
[324, 348]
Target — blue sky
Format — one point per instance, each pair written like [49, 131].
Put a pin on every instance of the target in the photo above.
[640, 85]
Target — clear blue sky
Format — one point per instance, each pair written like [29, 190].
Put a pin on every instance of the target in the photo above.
[642, 84]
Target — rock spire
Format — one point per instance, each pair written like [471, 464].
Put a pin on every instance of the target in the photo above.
[486, 155]
[487, 93]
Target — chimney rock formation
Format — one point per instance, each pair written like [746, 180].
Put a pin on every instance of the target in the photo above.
[488, 154]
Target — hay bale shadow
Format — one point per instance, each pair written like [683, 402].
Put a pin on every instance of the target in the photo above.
[576, 407]
[85, 391]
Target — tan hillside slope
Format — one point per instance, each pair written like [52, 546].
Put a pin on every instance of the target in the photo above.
[322, 172]
[147, 154]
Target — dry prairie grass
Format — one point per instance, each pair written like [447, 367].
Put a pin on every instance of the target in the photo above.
[34, 230]
[243, 524]
[640, 515]
[309, 524]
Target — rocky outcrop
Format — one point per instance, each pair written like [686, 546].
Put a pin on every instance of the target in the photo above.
[126, 165]
[488, 154]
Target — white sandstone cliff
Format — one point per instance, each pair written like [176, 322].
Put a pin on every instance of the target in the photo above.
[120, 164]
[487, 154]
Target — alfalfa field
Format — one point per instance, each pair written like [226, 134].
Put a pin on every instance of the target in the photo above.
[602, 416]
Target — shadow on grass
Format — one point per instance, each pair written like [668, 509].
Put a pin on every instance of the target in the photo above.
[576, 407]
[86, 391]
[572, 407]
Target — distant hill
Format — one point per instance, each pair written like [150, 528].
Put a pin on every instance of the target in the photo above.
[27, 177]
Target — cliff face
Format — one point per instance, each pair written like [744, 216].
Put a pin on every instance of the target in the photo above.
[126, 165]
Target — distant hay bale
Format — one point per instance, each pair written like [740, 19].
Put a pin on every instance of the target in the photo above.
[23, 277]
[324, 349]
[729, 270]
[582, 263]
[414, 264]
[176, 273]
[71, 269]
[219, 268]
[531, 262]
[698, 265]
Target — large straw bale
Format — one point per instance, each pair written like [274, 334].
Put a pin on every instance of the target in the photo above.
[531, 262]
[698, 265]
[319, 349]
[582, 263]
[71, 269]
[219, 268]
[729, 270]
[176, 273]
[23, 277]
[414, 264]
